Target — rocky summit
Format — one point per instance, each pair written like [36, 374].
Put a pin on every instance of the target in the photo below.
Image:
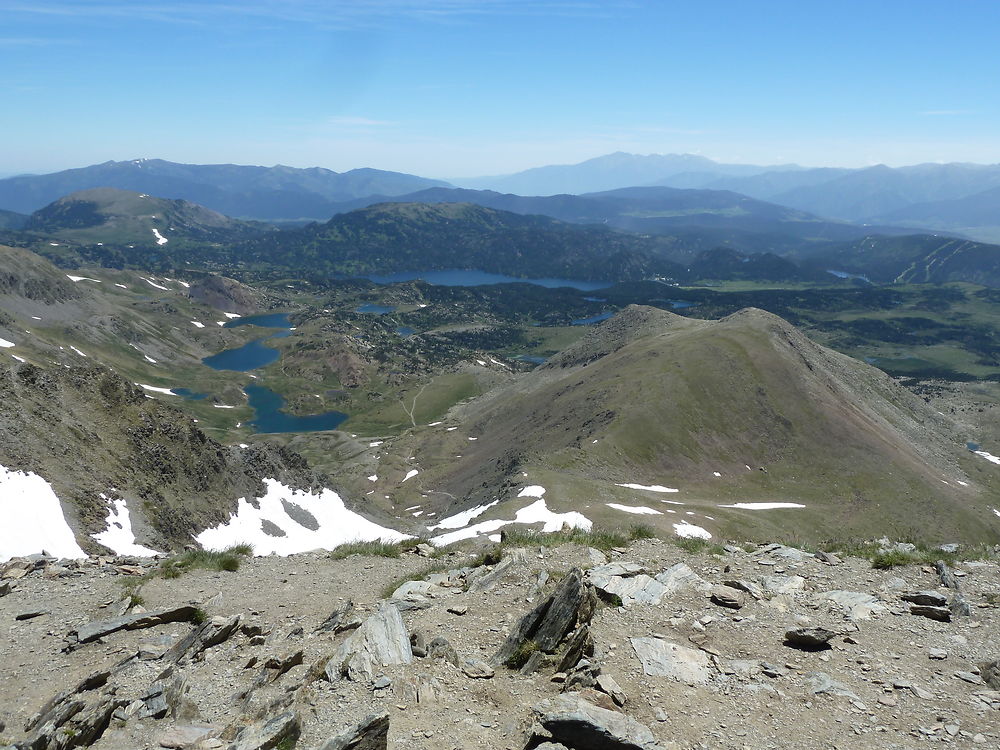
[649, 646]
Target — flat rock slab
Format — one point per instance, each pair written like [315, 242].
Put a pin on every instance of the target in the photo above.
[927, 598]
[661, 658]
[269, 734]
[856, 605]
[185, 735]
[576, 723]
[381, 641]
[100, 628]
[809, 638]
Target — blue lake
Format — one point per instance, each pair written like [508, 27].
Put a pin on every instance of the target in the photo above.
[481, 278]
[405, 331]
[593, 319]
[531, 358]
[679, 304]
[264, 320]
[250, 356]
[374, 309]
[269, 417]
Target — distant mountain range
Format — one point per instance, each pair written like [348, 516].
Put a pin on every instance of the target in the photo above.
[906, 196]
[267, 193]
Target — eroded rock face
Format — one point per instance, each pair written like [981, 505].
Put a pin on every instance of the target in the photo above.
[572, 603]
[268, 734]
[371, 733]
[381, 641]
[581, 725]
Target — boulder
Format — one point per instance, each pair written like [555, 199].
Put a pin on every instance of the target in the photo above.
[371, 733]
[855, 604]
[725, 596]
[381, 641]
[100, 628]
[661, 658]
[185, 735]
[268, 734]
[941, 614]
[990, 672]
[477, 669]
[579, 646]
[339, 619]
[928, 598]
[809, 639]
[163, 697]
[440, 648]
[571, 604]
[581, 725]
[208, 634]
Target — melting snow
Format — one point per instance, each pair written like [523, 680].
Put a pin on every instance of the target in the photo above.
[81, 278]
[149, 359]
[410, 474]
[459, 520]
[154, 284]
[433, 424]
[232, 315]
[19, 359]
[119, 537]
[78, 351]
[537, 512]
[160, 239]
[690, 531]
[716, 474]
[154, 389]
[988, 456]
[375, 444]
[122, 286]
[197, 324]
[32, 518]
[637, 509]
[996, 511]
[532, 490]
[762, 506]
[223, 406]
[5, 344]
[650, 487]
[373, 478]
[334, 523]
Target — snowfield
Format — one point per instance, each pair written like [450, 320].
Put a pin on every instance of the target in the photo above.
[160, 239]
[762, 506]
[306, 520]
[636, 509]
[649, 487]
[31, 518]
[690, 531]
[118, 537]
[988, 456]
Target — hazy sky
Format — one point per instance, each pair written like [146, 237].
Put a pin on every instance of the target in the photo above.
[449, 88]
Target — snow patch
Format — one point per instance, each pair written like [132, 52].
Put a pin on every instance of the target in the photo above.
[119, 537]
[373, 478]
[410, 474]
[988, 456]
[762, 506]
[19, 359]
[154, 389]
[649, 487]
[5, 344]
[149, 359]
[690, 531]
[375, 444]
[122, 286]
[232, 315]
[459, 520]
[334, 523]
[636, 509]
[78, 351]
[160, 239]
[81, 278]
[537, 512]
[197, 324]
[154, 284]
[32, 518]
[223, 406]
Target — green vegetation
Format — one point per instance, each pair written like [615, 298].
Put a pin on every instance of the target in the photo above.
[367, 549]
[602, 539]
[416, 575]
[200, 559]
[520, 657]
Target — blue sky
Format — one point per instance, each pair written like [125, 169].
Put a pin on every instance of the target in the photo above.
[450, 88]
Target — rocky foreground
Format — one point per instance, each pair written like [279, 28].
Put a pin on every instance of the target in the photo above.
[555, 647]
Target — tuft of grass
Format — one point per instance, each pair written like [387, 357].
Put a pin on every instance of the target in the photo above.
[490, 557]
[892, 559]
[690, 544]
[368, 549]
[520, 657]
[228, 559]
[599, 538]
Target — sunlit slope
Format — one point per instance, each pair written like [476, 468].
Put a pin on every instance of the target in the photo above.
[744, 409]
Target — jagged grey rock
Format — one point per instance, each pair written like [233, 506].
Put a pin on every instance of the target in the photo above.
[337, 619]
[163, 697]
[46, 713]
[856, 605]
[100, 628]
[581, 725]
[820, 683]
[941, 614]
[381, 641]
[208, 634]
[607, 684]
[268, 734]
[571, 604]
[928, 598]
[185, 735]
[945, 575]
[579, 646]
[990, 672]
[728, 597]
[477, 669]
[662, 658]
[441, 648]
[371, 733]
[809, 638]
